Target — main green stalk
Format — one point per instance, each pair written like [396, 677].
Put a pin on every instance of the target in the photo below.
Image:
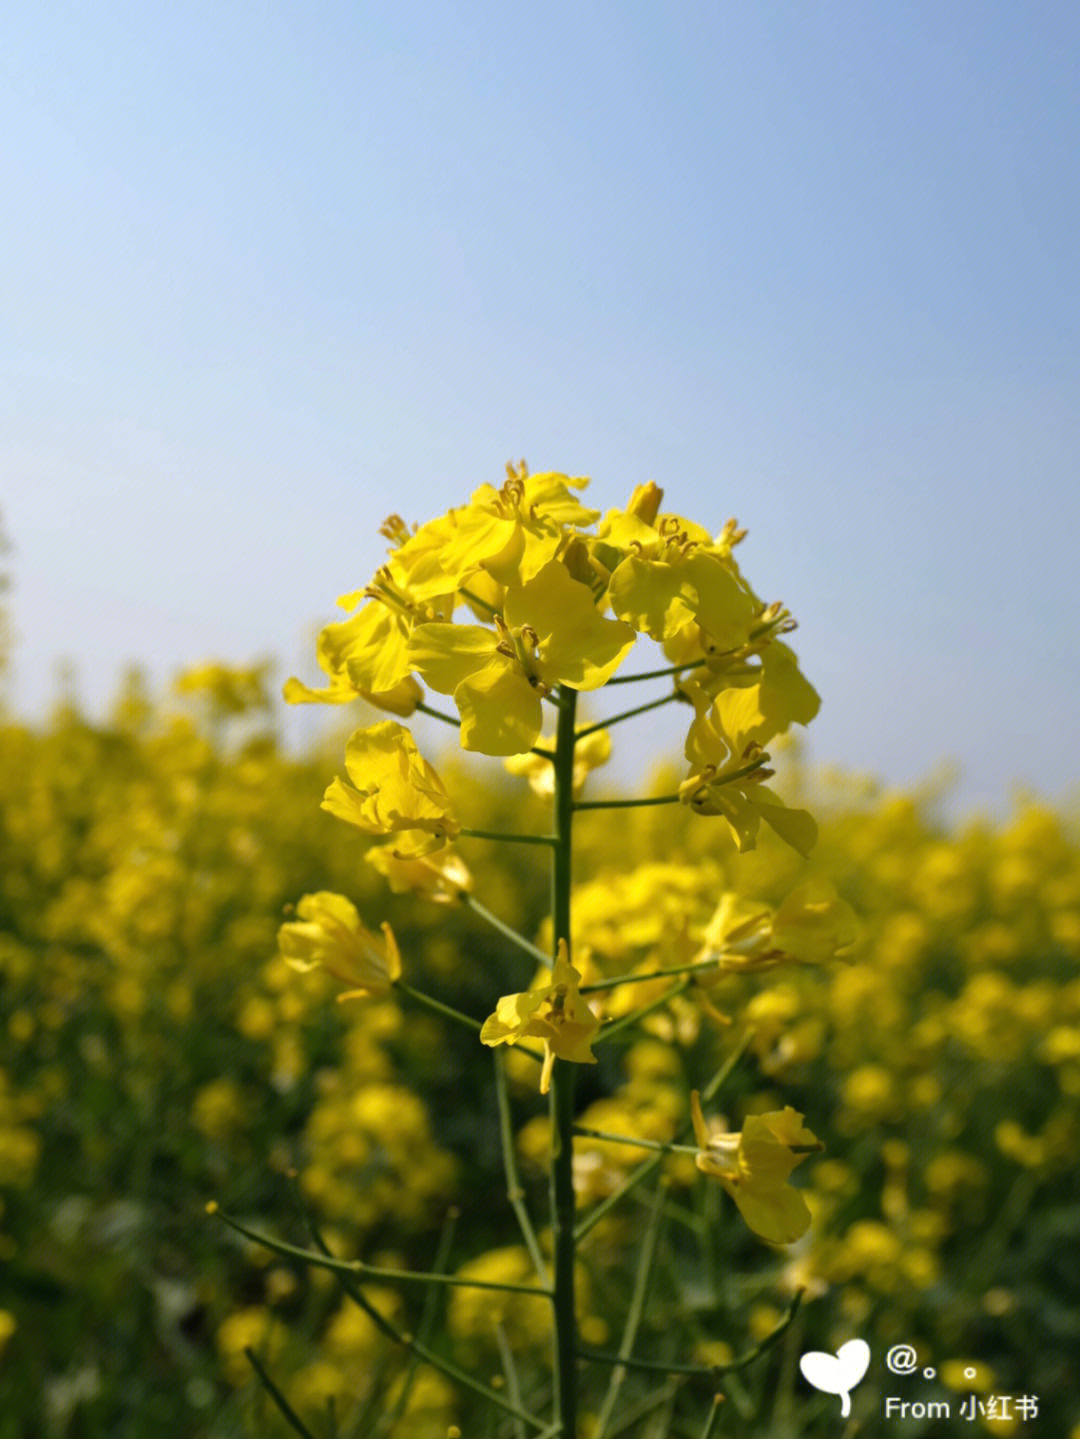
[562, 1090]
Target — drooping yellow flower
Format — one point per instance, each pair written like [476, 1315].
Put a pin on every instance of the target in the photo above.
[727, 775]
[550, 633]
[396, 791]
[442, 877]
[754, 1167]
[811, 926]
[556, 1013]
[330, 935]
[589, 754]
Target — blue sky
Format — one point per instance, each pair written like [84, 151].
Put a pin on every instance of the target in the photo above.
[266, 275]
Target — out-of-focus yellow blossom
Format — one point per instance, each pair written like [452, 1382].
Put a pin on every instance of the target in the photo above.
[251, 1328]
[230, 689]
[442, 877]
[727, 777]
[329, 935]
[589, 754]
[396, 791]
[550, 633]
[474, 1313]
[7, 1329]
[557, 1014]
[754, 1167]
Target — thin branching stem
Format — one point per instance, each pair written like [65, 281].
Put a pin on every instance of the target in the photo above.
[626, 803]
[286, 1409]
[426, 709]
[508, 930]
[627, 714]
[514, 1191]
[636, 1015]
[509, 838]
[359, 1269]
[633, 1315]
[647, 1166]
[696, 968]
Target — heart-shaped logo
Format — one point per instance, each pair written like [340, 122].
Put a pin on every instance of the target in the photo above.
[837, 1373]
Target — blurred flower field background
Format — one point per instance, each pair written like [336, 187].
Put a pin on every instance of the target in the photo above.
[158, 1054]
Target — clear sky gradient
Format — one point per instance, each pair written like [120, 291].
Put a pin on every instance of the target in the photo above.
[267, 274]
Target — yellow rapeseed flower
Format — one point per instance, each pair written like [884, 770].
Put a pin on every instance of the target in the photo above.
[329, 934]
[557, 1014]
[550, 633]
[396, 791]
[754, 1167]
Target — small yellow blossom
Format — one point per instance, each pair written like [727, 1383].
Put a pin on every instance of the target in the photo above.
[396, 791]
[727, 775]
[754, 1167]
[811, 926]
[329, 935]
[550, 633]
[557, 1014]
[442, 877]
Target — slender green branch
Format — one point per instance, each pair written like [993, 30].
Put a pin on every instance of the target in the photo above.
[625, 803]
[562, 1092]
[627, 714]
[704, 1371]
[509, 838]
[635, 1016]
[713, 1417]
[510, 1373]
[635, 1143]
[415, 1346]
[427, 1324]
[276, 1395]
[476, 600]
[633, 1315]
[655, 674]
[358, 1268]
[514, 1191]
[647, 1166]
[508, 930]
[426, 709]
[465, 1020]
[437, 1007]
[695, 968]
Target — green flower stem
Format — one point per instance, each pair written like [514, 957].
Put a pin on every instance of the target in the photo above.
[696, 968]
[510, 1374]
[514, 1191]
[427, 1324]
[703, 1371]
[292, 1418]
[509, 838]
[647, 1166]
[437, 1007]
[610, 1030]
[416, 1347]
[562, 1093]
[635, 1143]
[655, 674]
[627, 714]
[713, 1417]
[358, 1268]
[633, 1315]
[625, 803]
[476, 600]
[511, 934]
[438, 714]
